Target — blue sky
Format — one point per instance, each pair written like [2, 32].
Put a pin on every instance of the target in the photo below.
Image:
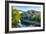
[26, 8]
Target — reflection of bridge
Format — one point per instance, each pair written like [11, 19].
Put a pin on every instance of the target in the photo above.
[31, 22]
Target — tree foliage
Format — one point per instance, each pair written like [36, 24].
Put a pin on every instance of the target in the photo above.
[15, 17]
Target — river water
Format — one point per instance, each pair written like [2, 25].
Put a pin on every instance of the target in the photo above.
[22, 25]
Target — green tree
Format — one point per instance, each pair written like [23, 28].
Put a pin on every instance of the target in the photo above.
[15, 17]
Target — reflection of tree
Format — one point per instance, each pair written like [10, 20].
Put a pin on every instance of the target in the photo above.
[15, 17]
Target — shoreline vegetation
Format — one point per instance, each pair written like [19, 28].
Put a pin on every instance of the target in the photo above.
[30, 17]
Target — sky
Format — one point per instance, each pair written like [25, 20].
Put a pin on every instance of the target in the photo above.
[26, 8]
